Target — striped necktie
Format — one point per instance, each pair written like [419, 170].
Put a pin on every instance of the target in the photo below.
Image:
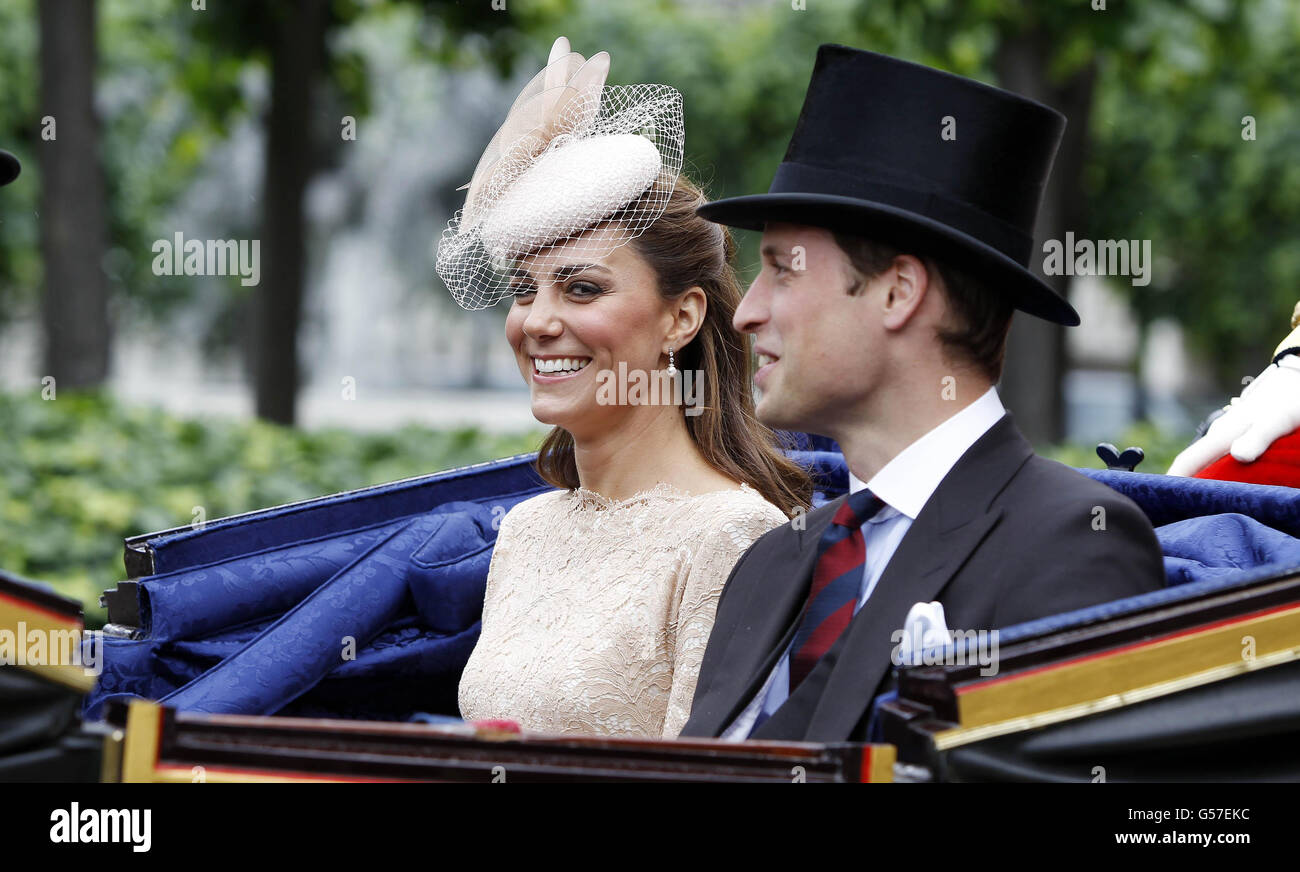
[836, 583]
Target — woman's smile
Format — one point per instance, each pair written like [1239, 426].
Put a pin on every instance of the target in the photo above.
[550, 368]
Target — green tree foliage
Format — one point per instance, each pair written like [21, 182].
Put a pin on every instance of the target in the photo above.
[1170, 164]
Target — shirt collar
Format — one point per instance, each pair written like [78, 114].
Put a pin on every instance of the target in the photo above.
[907, 482]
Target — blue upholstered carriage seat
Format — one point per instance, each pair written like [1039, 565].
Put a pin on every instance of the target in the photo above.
[1215, 535]
[275, 612]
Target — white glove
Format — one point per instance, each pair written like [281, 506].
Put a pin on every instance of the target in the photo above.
[1268, 408]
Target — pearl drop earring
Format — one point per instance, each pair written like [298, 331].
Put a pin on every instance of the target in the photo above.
[672, 368]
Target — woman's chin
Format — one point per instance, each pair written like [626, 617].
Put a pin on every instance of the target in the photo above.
[554, 414]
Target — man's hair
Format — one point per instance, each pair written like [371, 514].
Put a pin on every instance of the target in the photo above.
[980, 318]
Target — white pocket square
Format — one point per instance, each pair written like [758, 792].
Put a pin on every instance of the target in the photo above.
[923, 629]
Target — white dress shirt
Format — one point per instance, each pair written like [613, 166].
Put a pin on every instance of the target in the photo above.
[904, 485]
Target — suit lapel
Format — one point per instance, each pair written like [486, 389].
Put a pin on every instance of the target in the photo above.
[953, 523]
[768, 619]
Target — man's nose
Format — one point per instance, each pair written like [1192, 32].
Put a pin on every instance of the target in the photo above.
[752, 311]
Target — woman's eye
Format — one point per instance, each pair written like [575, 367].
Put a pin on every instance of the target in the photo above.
[585, 289]
[523, 293]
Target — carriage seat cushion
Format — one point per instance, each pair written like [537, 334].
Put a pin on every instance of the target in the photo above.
[448, 573]
[1225, 544]
[435, 562]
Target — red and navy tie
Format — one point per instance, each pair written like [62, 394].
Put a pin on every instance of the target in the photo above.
[836, 583]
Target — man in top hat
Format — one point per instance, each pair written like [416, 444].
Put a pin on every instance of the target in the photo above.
[897, 236]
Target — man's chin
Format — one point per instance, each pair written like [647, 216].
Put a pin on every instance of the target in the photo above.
[772, 413]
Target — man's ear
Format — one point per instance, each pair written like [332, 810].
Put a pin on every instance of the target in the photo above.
[687, 312]
[908, 284]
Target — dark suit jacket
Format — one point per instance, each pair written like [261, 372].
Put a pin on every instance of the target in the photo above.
[1006, 537]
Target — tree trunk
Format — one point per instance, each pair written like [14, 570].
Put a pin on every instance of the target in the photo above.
[296, 49]
[1033, 379]
[73, 224]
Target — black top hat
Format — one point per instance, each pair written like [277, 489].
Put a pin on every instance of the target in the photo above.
[869, 156]
[9, 167]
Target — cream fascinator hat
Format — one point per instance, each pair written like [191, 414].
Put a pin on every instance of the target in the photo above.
[572, 152]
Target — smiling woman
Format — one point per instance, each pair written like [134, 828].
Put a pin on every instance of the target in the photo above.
[670, 293]
[601, 595]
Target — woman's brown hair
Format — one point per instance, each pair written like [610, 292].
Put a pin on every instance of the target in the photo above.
[686, 251]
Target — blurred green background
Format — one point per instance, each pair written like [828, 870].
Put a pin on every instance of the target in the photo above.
[230, 119]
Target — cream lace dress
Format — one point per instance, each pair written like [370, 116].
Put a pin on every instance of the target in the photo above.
[598, 611]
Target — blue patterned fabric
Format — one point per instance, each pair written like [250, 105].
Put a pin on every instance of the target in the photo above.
[404, 669]
[190, 603]
[1167, 499]
[324, 630]
[261, 673]
[249, 614]
[1222, 545]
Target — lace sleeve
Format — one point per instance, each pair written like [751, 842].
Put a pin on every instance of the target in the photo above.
[708, 573]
